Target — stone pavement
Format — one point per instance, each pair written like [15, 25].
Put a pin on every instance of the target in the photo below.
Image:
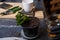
[12, 38]
[8, 28]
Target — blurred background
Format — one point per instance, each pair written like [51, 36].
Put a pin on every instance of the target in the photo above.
[10, 0]
[38, 3]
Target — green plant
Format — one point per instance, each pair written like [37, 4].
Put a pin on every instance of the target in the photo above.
[15, 9]
[21, 18]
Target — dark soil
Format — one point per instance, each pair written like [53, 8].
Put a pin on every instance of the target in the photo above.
[31, 23]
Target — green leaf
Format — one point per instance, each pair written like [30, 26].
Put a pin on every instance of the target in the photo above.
[21, 18]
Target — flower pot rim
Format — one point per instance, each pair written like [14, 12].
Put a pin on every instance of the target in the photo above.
[34, 25]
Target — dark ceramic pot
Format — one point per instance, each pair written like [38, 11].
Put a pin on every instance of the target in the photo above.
[30, 28]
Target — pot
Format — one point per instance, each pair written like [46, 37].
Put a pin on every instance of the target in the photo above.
[30, 28]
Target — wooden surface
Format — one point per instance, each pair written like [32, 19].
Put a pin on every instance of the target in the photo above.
[55, 5]
[38, 14]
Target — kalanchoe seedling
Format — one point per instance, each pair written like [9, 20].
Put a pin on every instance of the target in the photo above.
[21, 18]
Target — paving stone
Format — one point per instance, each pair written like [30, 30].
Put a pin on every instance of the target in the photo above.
[12, 30]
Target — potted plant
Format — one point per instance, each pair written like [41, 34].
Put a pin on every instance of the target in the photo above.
[30, 25]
